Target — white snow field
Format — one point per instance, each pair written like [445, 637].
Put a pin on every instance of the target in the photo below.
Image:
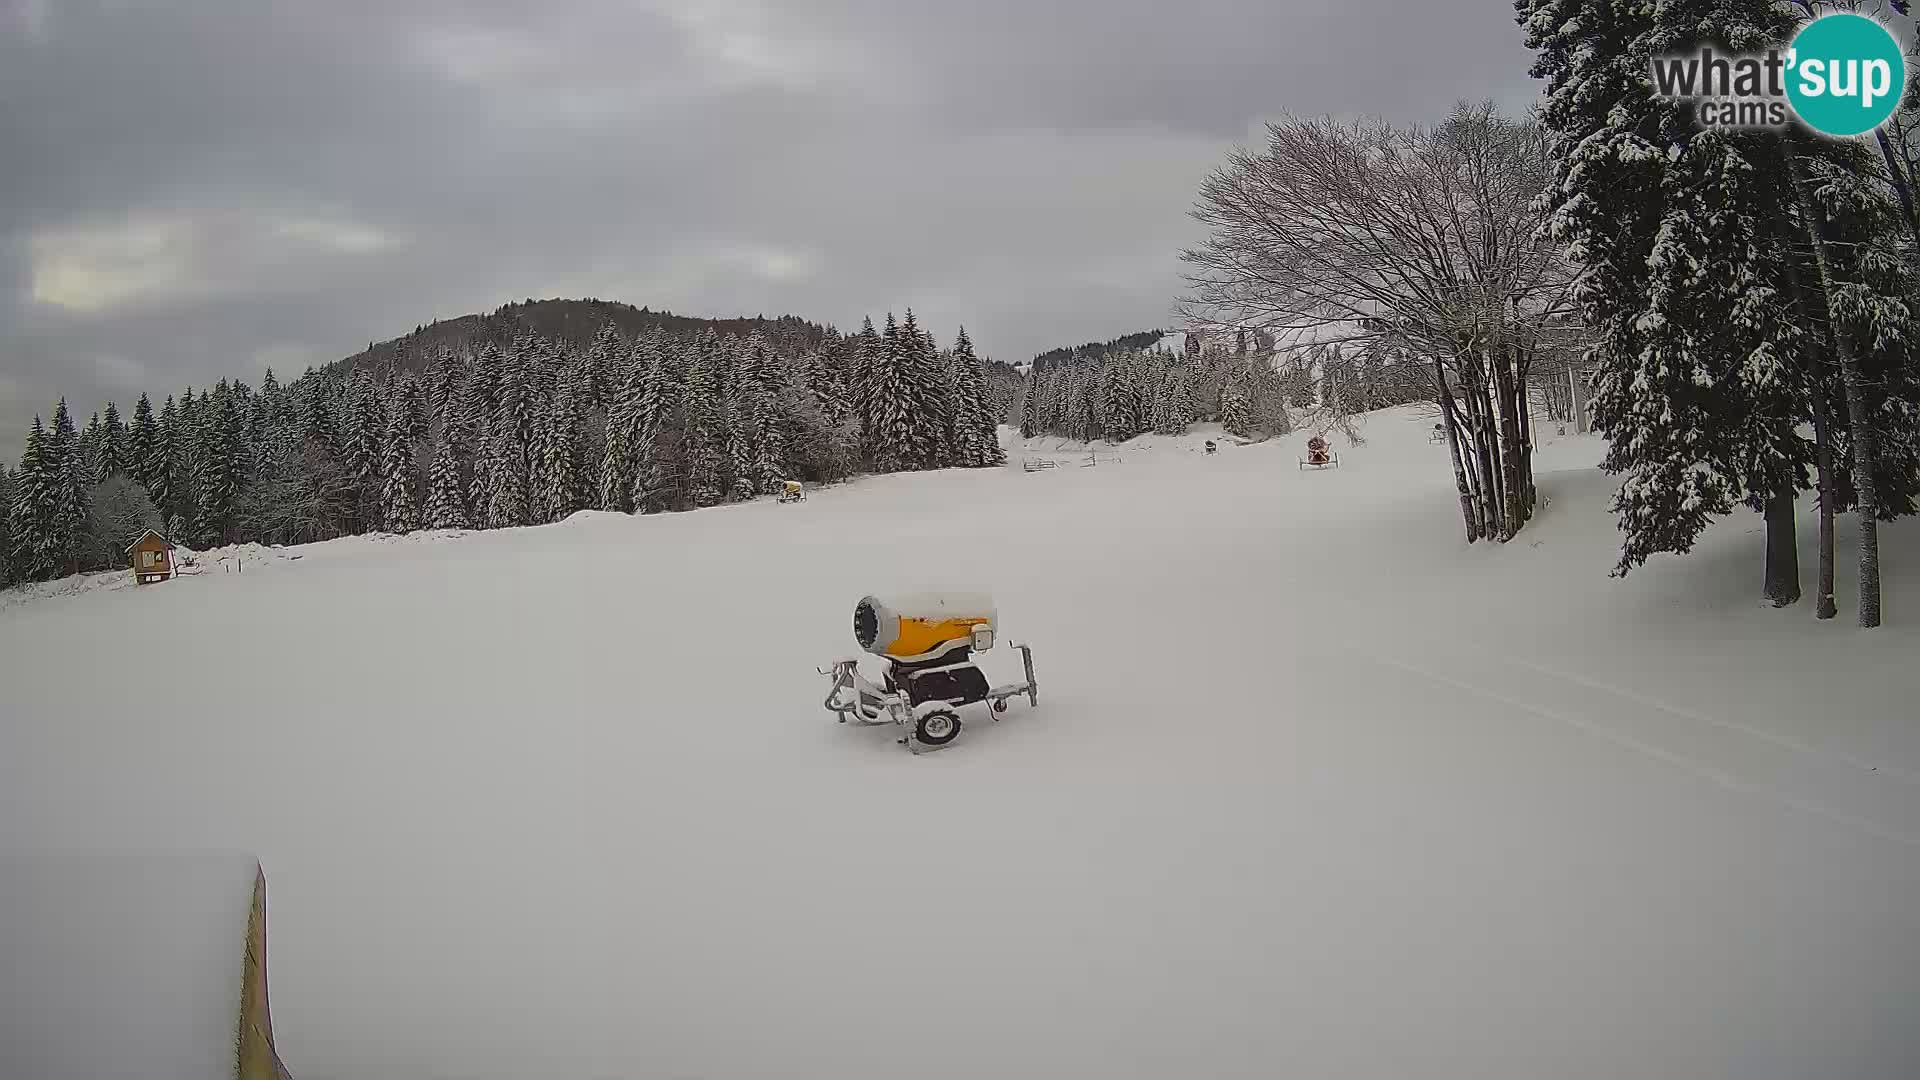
[1313, 789]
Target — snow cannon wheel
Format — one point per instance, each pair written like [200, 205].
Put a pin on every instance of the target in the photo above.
[937, 727]
[1000, 705]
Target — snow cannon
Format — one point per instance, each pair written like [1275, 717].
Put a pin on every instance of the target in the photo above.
[925, 626]
[928, 641]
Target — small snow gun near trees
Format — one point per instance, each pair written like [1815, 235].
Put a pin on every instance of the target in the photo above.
[928, 642]
[1319, 455]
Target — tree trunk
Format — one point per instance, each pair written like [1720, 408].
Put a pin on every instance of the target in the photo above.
[1445, 395]
[1866, 445]
[1902, 185]
[1485, 451]
[1526, 455]
[1783, 550]
[1823, 606]
[1513, 485]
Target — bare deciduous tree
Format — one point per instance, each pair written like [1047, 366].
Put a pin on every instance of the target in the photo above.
[1350, 241]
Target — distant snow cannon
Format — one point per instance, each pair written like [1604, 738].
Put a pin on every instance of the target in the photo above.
[928, 641]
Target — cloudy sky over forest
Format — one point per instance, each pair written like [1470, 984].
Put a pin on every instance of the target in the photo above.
[208, 188]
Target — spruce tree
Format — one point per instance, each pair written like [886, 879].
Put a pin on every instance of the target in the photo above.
[699, 437]
[216, 482]
[617, 461]
[480, 394]
[555, 475]
[1697, 351]
[399, 492]
[113, 442]
[869, 352]
[362, 431]
[1031, 422]
[38, 548]
[446, 494]
[162, 472]
[1236, 414]
[927, 400]
[600, 375]
[8, 573]
[891, 399]
[67, 527]
[142, 435]
[506, 504]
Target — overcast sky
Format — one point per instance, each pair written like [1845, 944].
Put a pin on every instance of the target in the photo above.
[198, 188]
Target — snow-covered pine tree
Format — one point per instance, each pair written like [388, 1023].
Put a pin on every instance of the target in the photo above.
[161, 472]
[142, 434]
[400, 485]
[737, 431]
[555, 472]
[264, 434]
[1236, 412]
[659, 452]
[890, 402]
[442, 387]
[446, 493]
[977, 432]
[216, 482]
[1170, 401]
[39, 548]
[617, 468]
[1677, 227]
[480, 395]
[506, 504]
[1030, 418]
[113, 442]
[601, 373]
[68, 525]
[363, 427]
[826, 378]
[480, 480]
[89, 456]
[8, 573]
[700, 483]
[618, 458]
[513, 423]
[870, 351]
[927, 399]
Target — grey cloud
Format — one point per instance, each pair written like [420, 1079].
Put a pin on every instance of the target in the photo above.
[194, 190]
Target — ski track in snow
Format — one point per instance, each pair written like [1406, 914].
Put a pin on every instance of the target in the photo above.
[1784, 742]
[1715, 775]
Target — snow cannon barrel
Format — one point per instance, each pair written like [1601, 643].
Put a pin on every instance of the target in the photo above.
[924, 626]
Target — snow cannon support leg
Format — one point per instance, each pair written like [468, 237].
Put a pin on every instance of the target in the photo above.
[1033, 685]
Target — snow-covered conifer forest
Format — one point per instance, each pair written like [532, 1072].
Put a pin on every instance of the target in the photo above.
[523, 430]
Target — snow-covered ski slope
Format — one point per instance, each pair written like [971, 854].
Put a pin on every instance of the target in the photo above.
[1314, 789]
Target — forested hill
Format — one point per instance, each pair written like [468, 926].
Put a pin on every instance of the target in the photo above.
[571, 323]
[1144, 339]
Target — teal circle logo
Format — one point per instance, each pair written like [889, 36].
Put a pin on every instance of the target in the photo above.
[1845, 74]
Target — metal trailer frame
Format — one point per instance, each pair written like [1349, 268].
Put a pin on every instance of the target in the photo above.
[857, 700]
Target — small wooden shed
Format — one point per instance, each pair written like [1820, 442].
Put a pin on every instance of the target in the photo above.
[151, 557]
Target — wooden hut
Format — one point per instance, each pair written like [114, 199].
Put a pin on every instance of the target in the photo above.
[151, 557]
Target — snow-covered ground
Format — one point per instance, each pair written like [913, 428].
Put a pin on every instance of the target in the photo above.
[1313, 789]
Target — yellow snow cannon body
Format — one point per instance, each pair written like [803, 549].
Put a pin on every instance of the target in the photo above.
[928, 641]
[923, 626]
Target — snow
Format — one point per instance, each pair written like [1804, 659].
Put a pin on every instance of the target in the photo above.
[1313, 787]
[940, 604]
[121, 967]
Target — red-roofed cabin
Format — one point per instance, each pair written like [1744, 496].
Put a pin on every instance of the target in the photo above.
[151, 557]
